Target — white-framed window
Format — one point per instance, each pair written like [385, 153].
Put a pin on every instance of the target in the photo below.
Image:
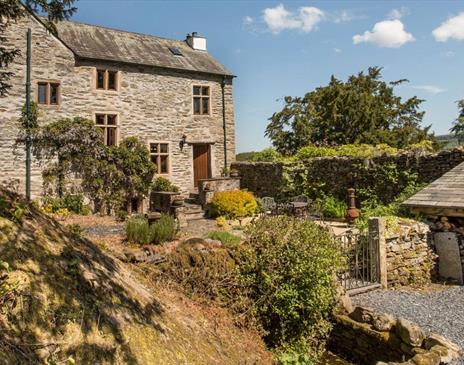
[160, 156]
[108, 123]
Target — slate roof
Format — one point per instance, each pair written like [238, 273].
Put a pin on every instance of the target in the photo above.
[445, 192]
[100, 43]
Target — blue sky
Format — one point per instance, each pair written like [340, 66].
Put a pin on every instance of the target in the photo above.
[291, 47]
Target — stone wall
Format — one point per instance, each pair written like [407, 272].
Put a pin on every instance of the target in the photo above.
[207, 188]
[410, 258]
[366, 337]
[335, 174]
[153, 104]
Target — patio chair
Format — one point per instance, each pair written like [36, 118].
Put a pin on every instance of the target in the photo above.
[269, 205]
[300, 199]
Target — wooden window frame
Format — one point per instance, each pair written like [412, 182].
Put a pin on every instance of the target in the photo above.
[106, 73]
[201, 97]
[159, 154]
[105, 126]
[48, 86]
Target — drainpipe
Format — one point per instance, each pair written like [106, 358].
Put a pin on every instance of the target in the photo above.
[224, 126]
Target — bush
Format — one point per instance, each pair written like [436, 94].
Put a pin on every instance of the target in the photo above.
[333, 208]
[138, 231]
[233, 204]
[73, 203]
[163, 184]
[164, 229]
[226, 238]
[288, 267]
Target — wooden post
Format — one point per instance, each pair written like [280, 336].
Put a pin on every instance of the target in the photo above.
[377, 237]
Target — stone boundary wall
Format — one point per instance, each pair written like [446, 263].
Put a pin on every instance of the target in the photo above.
[410, 258]
[366, 337]
[336, 173]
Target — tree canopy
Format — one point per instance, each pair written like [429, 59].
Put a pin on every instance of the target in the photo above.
[364, 109]
[458, 125]
[11, 11]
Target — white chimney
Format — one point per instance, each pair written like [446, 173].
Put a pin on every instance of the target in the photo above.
[196, 41]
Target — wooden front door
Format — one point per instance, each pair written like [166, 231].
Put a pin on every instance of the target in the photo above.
[201, 166]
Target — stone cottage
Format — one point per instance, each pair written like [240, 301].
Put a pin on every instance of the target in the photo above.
[171, 94]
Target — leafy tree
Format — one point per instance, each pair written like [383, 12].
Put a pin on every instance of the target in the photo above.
[458, 125]
[11, 11]
[364, 109]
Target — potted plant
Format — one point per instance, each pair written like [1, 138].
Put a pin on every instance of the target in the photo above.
[164, 194]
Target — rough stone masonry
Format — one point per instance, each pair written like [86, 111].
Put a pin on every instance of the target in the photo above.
[152, 103]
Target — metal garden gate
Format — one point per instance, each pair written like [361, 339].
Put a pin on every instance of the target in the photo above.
[362, 266]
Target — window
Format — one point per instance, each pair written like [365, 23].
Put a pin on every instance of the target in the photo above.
[201, 98]
[48, 93]
[159, 153]
[175, 51]
[108, 123]
[107, 80]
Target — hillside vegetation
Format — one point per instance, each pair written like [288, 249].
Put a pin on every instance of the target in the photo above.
[64, 300]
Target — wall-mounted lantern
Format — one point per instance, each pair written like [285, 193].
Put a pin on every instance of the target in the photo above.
[182, 142]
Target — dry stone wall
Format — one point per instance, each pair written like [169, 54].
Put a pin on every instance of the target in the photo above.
[153, 104]
[335, 174]
[410, 258]
[369, 338]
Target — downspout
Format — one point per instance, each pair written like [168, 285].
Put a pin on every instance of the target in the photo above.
[224, 126]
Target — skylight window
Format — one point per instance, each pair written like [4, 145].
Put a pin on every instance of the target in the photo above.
[175, 51]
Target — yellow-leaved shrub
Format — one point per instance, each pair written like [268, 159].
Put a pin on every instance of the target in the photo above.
[233, 204]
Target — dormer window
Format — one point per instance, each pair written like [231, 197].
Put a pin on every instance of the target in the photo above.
[107, 80]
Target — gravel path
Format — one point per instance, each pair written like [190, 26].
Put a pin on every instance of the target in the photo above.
[439, 311]
[104, 230]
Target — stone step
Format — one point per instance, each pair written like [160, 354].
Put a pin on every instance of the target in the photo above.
[194, 215]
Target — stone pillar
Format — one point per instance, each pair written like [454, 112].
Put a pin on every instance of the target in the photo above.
[377, 228]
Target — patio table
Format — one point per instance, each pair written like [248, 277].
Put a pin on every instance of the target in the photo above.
[299, 208]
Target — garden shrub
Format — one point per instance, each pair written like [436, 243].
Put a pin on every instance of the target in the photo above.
[226, 238]
[163, 184]
[333, 207]
[164, 229]
[138, 231]
[287, 268]
[233, 204]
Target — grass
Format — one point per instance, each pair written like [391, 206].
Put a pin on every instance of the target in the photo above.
[226, 238]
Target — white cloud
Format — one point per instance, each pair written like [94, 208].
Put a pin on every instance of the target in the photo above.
[450, 54]
[398, 13]
[248, 20]
[337, 50]
[452, 28]
[278, 19]
[387, 33]
[343, 17]
[432, 89]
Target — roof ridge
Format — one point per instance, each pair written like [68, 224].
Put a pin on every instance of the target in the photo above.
[119, 30]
